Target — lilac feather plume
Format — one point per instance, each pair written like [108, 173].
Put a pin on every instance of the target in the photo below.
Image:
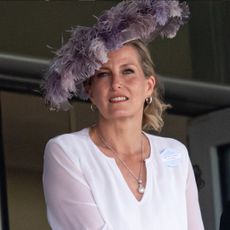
[87, 48]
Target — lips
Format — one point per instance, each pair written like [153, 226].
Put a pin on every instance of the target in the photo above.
[118, 99]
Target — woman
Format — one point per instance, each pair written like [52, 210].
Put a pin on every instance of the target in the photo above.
[113, 175]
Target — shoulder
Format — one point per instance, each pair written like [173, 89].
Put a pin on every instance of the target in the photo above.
[165, 142]
[69, 143]
[67, 146]
[171, 152]
[69, 138]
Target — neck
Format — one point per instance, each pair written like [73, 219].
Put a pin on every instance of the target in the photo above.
[125, 138]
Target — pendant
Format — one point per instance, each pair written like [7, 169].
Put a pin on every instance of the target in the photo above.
[141, 188]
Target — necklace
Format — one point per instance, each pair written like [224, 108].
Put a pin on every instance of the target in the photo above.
[140, 186]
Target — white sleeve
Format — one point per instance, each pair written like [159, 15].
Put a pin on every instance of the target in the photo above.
[70, 204]
[193, 209]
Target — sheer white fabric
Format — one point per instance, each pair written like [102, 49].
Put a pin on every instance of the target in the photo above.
[84, 189]
[70, 204]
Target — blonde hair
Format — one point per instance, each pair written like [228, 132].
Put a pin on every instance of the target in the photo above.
[153, 112]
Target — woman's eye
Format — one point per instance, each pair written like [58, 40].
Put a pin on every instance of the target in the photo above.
[128, 71]
[103, 74]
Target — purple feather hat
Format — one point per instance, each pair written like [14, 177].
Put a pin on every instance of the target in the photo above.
[87, 48]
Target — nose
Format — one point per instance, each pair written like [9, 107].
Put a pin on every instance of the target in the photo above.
[116, 82]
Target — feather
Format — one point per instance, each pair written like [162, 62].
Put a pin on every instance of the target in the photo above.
[87, 48]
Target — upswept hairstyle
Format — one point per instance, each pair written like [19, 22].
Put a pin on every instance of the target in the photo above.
[152, 113]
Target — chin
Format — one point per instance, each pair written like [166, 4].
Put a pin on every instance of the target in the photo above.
[116, 115]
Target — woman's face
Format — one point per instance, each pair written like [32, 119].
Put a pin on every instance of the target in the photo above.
[119, 88]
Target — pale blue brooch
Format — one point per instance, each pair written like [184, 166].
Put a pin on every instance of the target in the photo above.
[170, 157]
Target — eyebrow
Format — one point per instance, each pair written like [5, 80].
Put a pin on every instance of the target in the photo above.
[128, 64]
[122, 66]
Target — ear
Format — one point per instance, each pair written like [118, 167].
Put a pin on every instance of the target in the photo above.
[88, 89]
[151, 82]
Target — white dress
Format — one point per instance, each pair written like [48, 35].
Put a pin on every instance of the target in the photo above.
[84, 189]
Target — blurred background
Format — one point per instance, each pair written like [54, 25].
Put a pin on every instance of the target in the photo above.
[194, 68]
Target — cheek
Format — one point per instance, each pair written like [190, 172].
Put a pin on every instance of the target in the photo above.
[138, 84]
[96, 94]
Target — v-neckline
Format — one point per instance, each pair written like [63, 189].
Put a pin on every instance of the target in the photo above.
[113, 162]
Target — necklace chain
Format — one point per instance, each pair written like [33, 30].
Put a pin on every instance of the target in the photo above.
[140, 187]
